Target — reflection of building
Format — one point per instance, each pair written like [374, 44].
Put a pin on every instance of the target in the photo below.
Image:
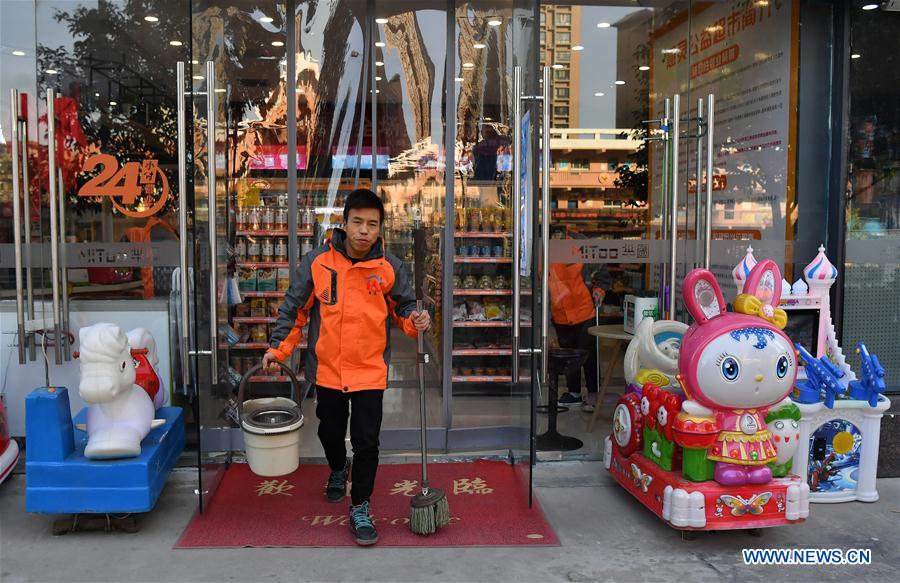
[632, 50]
[560, 33]
[582, 179]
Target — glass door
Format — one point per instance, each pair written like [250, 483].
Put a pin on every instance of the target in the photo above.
[622, 214]
[244, 223]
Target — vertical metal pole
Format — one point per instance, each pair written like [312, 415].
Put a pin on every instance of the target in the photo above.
[698, 199]
[17, 227]
[63, 271]
[545, 227]
[710, 157]
[514, 200]
[54, 222]
[291, 84]
[213, 239]
[447, 248]
[673, 186]
[183, 228]
[664, 219]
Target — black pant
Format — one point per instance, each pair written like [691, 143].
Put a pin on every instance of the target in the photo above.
[576, 336]
[333, 410]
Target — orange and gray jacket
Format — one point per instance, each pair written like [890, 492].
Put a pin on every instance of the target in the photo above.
[349, 308]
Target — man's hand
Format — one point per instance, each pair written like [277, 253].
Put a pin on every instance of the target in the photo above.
[421, 320]
[269, 361]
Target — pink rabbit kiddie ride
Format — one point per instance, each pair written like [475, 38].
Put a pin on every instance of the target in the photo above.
[733, 367]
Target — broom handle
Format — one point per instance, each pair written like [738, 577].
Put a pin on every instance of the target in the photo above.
[421, 366]
[419, 279]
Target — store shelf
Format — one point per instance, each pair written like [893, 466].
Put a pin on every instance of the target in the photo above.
[482, 260]
[251, 346]
[488, 292]
[482, 234]
[488, 324]
[261, 264]
[253, 319]
[485, 379]
[262, 294]
[272, 233]
[482, 351]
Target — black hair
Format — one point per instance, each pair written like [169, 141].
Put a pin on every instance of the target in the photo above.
[363, 198]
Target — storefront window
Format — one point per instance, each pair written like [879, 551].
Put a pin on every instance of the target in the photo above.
[872, 268]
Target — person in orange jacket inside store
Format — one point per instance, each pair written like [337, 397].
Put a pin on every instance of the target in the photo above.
[573, 301]
[349, 291]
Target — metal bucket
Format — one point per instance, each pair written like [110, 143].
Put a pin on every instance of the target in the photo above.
[271, 427]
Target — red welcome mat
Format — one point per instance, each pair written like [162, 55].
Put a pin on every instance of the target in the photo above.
[488, 507]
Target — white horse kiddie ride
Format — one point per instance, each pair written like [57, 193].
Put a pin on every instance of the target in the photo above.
[121, 413]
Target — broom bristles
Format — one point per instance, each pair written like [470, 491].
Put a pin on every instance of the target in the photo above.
[426, 519]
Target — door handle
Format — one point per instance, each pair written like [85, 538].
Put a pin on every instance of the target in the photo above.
[514, 201]
[545, 225]
[211, 195]
[673, 210]
[710, 130]
[54, 218]
[17, 227]
[183, 229]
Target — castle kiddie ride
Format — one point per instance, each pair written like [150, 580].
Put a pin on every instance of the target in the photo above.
[734, 425]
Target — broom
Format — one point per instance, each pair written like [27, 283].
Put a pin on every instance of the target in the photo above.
[429, 509]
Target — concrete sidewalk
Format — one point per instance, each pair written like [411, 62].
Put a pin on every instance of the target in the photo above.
[606, 536]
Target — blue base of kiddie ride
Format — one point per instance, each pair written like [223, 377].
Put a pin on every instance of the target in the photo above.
[60, 480]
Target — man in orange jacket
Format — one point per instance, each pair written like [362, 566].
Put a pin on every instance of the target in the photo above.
[572, 307]
[349, 291]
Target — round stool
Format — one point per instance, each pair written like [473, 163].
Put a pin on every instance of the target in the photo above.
[562, 360]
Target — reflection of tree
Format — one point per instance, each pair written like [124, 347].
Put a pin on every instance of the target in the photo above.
[633, 176]
[117, 57]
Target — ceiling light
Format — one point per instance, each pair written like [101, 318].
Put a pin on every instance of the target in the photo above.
[195, 62]
[578, 48]
[381, 20]
[557, 66]
[468, 65]
[199, 77]
[96, 95]
[51, 71]
[175, 43]
[151, 19]
[277, 43]
[620, 82]
[853, 56]
[114, 103]
[19, 53]
[603, 25]
[644, 68]
[762, 2]
[379, 44]
[672, 51]
[713, 28]
[494, 22]
[479, 45]
[459, 79]
[870, 6]
[378, 78]
[599, 94]
[220, 90]
[379, 63]
[266, 19]
[299, 90]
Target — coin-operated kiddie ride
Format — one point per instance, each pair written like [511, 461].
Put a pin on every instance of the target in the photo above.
[115, 455]
[701, 457]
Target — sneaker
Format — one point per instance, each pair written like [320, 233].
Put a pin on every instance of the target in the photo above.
[361, 525]
[570, 399]
[336, 489]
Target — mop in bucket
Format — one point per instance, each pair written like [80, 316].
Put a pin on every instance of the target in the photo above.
[271, 428]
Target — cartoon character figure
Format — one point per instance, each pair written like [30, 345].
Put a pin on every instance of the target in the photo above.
[720, 509]
[734, 366]
[784, 423]
[661, 408]
[779, 503]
